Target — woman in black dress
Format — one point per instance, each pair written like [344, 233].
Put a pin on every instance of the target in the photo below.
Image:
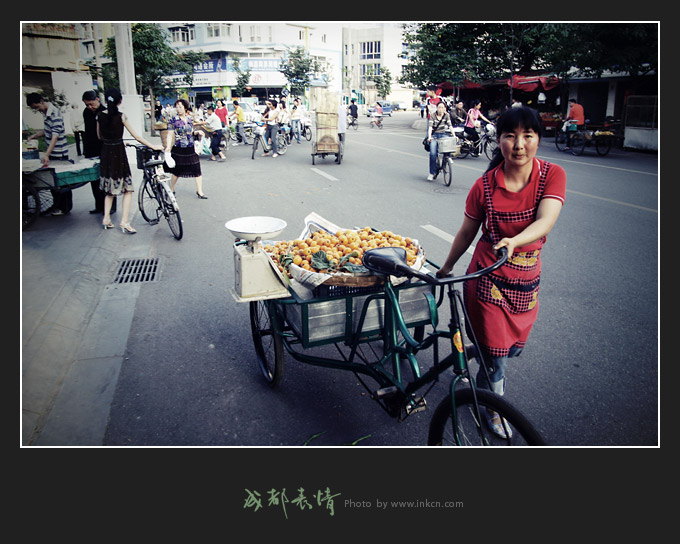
[115, 176]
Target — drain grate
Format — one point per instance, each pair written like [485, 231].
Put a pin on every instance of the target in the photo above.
[137, 270]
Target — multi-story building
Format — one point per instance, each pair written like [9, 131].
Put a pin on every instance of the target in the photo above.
[50, 59]
[369, 49]
[260, 48]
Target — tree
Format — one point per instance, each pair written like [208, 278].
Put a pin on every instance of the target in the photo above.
[298, 69]
[242, 77]
[383, 82]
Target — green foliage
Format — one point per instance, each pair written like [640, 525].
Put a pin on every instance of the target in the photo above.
[242, 77]
[478, 51]
[298, 69]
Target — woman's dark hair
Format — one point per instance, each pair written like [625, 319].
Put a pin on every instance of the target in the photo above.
[508, 121]
[184, 102]
[113, 98]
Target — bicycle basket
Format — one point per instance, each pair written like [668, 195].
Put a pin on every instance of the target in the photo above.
[446, 145]
[144, 154]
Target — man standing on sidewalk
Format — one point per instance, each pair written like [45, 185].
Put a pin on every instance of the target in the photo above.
[57, 146]
[92, 145]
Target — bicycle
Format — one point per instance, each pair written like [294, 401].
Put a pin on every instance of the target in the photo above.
[447, 148]
[486, 142]
[155, 198]
[284, 324]
[376, 121]
[352, 122]
[261, 140]
[576, 140]
[306, 129]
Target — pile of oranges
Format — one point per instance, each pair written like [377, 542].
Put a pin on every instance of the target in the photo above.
[345, 246]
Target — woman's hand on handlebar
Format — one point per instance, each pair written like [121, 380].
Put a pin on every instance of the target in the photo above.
[507, 243]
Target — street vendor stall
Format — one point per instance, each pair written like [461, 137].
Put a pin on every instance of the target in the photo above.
[39, 184]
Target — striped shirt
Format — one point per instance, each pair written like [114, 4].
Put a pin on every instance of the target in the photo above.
[54, 124]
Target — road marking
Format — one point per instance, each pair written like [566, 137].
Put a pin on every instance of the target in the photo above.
[613, 201]
[445, 236]
[321, 173]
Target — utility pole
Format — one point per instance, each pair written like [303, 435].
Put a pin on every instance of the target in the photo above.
[133, 104]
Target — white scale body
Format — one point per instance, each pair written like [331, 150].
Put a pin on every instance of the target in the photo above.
[254, 275]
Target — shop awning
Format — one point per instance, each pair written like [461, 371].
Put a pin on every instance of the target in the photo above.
[448, 88]
[531, 83]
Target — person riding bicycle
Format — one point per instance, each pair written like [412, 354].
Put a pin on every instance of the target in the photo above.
[353, 110]
[240, 118]
[439, 127]
[516, 203]
[575, 116]
[472, 122]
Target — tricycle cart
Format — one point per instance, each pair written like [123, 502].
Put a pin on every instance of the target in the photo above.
[378, 327]
[39, 184]
[326, 139]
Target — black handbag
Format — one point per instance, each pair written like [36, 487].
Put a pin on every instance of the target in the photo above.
[426, 144]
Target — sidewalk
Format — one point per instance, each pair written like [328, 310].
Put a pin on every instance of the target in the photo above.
[75, 322]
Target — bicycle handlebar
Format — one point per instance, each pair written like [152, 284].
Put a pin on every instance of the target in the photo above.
[390, 261]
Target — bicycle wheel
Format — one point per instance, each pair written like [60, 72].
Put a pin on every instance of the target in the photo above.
[561, 140]
[465, 148]
[355, 124]
[256, 141]
[148, 204]
[281, 144]
[472, 432]
[578, 143]
[447, 169]
[603, 146]
[171, 210]
[248, 135]
[268, 344]
[308, 134]
[489, 147]
[30, 205]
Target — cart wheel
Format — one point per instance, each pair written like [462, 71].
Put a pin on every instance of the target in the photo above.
[30, 205]
[603, 146]
[268, 344]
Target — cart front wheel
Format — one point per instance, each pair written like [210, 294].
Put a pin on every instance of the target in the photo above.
[470, 431]
[603, 146]
[30, 205]
[268, 344]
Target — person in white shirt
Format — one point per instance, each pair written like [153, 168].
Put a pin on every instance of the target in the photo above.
[214, 125]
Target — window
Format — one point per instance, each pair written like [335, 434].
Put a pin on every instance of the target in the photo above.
[182, 34]
[369, 50]
[216, 30]
[255, 33]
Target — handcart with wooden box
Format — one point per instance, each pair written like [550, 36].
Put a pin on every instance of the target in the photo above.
[39, 184]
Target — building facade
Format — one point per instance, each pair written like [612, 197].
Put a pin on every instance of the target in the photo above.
[260, 48]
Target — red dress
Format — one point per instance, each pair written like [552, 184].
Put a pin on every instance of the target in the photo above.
[504, 304]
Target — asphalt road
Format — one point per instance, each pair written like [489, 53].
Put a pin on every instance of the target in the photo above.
[588, 376]
[190, 376]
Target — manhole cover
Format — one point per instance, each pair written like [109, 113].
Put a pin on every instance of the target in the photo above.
[137, 270]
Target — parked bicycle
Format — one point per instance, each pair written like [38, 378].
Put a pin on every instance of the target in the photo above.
[261, 141]
[155, 197]
[486, 142]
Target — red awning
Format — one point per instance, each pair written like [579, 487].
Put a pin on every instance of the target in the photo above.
[531, 83]
[447, 87]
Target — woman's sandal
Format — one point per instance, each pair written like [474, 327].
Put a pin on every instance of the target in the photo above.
[127, 229]
[495, 423]
[108, 225]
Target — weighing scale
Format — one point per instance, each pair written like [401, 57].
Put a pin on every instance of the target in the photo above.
[254, 274]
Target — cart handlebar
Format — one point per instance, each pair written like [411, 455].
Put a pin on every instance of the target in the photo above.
[392, 261]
